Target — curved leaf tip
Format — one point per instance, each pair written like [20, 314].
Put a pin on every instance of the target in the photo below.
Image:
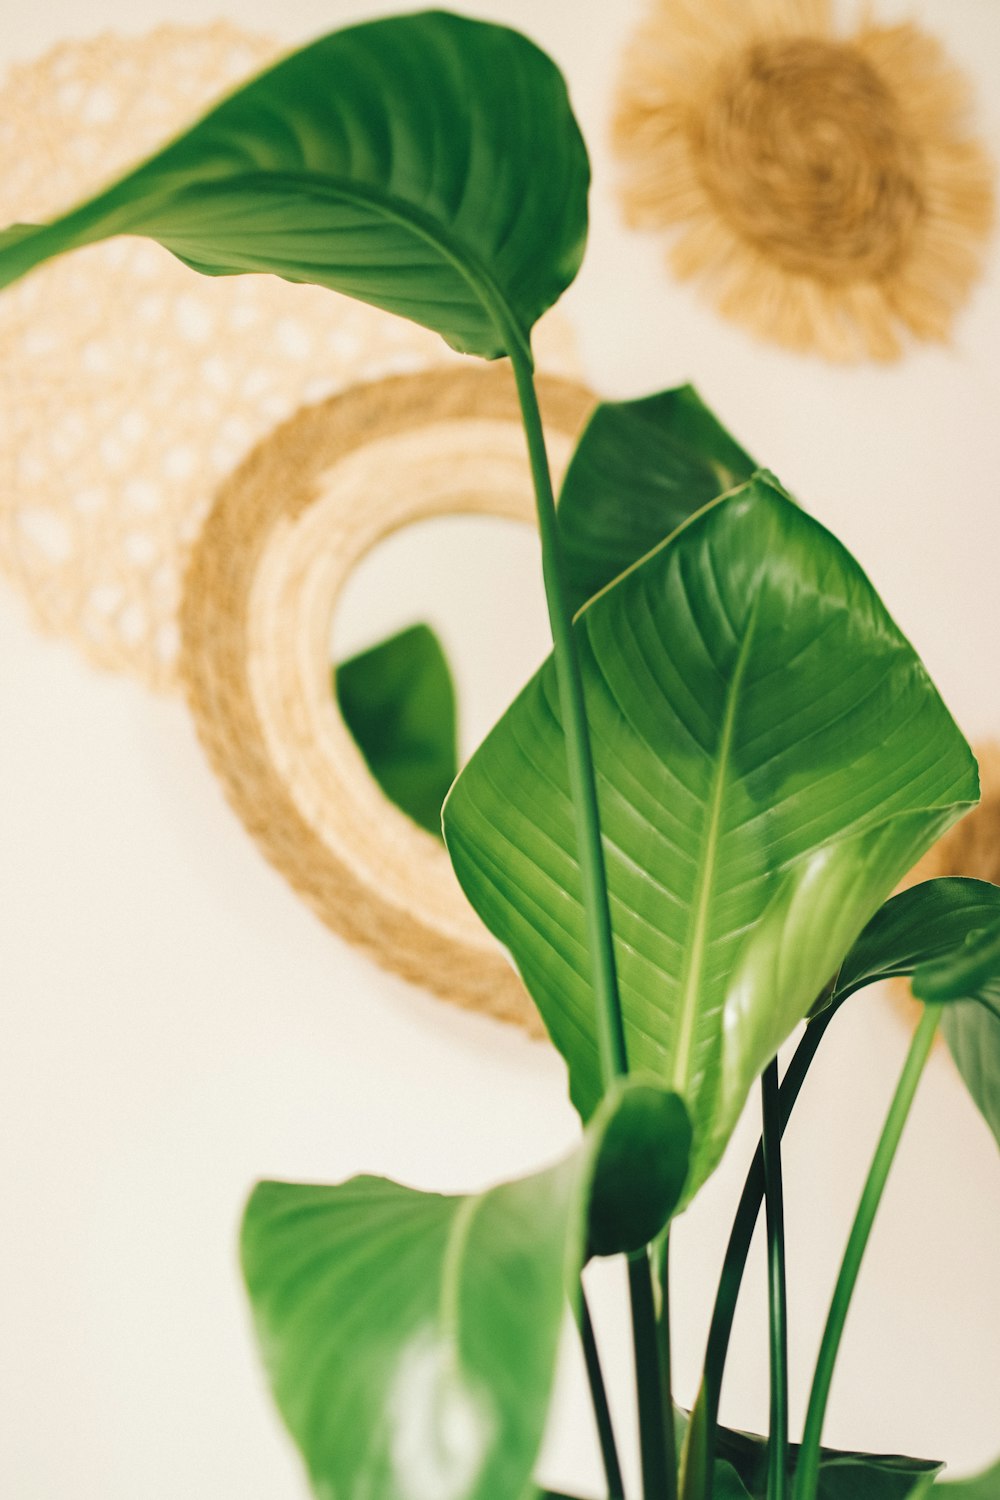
[411, 1339]
[427, 163]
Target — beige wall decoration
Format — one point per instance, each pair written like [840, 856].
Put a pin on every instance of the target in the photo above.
[826, 191]
[972, 847]
[131, 387]
[265, 576]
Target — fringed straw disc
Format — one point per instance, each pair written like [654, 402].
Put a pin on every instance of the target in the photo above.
[276, 551]
[826, 192]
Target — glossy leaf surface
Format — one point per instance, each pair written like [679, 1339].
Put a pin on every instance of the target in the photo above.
[640, 470]
[411, 1338]
[426, 163]
[398, 700]
[771, 758]
[970, 969]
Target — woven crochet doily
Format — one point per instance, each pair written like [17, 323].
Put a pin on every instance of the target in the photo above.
[130, 386]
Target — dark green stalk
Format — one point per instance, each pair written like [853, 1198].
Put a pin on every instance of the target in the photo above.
[599, 1399]
[657, 1482]
[583, 785]
[777, 1302]
[597, 911]
[699, 1448]
[666, 1362]
[807, 1470]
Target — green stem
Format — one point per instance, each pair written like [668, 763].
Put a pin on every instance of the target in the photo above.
[666, 1364]
[807, 1471]
[777, 1452]
[657, 1482]
[699, 1447]
[599, 1399]
[596, 907]
[583, 784]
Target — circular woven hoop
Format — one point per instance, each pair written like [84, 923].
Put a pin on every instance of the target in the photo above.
[262, 586]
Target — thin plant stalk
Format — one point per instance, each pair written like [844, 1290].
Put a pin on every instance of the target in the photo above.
[699, 1448]
[583, 783]
[599, 1400]
[658, 1483]
[597, 911]
[777, 1301]
[666, 1362]
[807, 1471]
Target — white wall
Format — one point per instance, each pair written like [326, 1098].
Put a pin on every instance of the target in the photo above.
[178, 1024]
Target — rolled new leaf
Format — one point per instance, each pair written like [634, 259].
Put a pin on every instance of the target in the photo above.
[426, 163]
[640, 470]
[411, 1339]
[771, 759]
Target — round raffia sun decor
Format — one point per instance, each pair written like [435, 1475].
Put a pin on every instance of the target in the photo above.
[284, 536]
[825, 190]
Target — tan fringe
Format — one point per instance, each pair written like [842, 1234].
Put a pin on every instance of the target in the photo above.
[825, 193]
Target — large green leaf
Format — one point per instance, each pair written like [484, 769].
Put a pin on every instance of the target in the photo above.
[842, 1475]
[984, 1486]
[398, 701]
[428, 164]
[926, 931]
[411, 1339]
[640, 470]
[771, 758]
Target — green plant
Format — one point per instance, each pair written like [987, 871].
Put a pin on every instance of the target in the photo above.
[685, 829]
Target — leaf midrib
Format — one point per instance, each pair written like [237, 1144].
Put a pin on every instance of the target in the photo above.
[397, 211]
[696, 948]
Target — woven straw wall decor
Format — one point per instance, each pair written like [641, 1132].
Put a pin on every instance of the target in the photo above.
[264, 578]
[130, 386]
[825, 191]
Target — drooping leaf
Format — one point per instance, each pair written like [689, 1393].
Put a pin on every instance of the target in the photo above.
[398, 701]
[972, 1032]
[923, 925]
[984, 1486]
[925, 930]
[771, 758]
[640, 470]
[968, 970]
[426, 163]
[411, 1338]
[842, 1476]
